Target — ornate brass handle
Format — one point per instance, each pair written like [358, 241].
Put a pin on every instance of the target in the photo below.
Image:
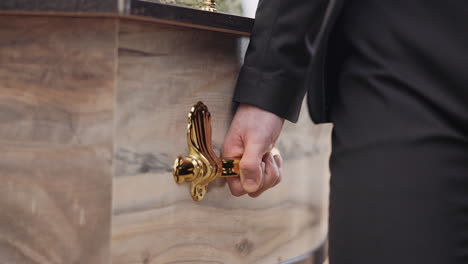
[201, 166]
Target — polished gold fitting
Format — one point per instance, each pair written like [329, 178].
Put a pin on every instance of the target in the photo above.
[201, 166]
[208, 5]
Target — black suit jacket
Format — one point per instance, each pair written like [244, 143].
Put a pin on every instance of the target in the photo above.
[290, 54]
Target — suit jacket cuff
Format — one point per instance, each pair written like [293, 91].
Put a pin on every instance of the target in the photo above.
[271, 91]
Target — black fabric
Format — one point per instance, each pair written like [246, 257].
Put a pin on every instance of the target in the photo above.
[278, 58]
[399, 164]
[392, 77]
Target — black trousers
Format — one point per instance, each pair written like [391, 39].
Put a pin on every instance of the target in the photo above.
[399, 173]
[399, 179]
[399, 164]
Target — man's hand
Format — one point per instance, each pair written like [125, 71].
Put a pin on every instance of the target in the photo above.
[252, 135]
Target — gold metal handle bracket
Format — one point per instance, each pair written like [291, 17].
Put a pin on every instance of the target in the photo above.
[201, 166]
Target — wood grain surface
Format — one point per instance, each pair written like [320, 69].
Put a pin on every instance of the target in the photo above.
[162, 72]
[56, 109]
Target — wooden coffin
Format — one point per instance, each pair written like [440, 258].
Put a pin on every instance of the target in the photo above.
[93, 112]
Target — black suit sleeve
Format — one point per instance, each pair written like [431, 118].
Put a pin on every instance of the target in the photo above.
[274, 69]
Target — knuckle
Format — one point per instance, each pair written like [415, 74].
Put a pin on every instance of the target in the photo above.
[248, 166]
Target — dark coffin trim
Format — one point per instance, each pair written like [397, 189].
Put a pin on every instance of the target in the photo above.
[191, 16]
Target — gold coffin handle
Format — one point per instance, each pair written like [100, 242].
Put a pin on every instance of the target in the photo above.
[201, 166]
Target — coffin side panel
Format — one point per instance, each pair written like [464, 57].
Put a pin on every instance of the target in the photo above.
[56, 126]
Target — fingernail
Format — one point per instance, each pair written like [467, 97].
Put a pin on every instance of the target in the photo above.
[250, 185]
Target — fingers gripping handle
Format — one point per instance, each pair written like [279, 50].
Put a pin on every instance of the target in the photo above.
[201, 166]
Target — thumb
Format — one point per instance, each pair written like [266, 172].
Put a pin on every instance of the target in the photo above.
[250, 167]
[233, 146]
